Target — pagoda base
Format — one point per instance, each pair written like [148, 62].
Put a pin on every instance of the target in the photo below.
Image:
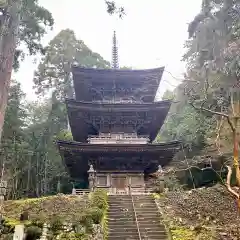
[120, 181]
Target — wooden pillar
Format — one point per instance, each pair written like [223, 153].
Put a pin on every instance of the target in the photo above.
[108, 179]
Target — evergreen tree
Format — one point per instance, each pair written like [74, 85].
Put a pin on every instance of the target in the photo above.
[54, 71]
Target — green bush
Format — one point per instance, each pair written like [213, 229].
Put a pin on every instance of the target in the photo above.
[6, 237]
[56, 226]
[33, 233]
[73, 236]
[7, 227]
[87, 221]
[96, 214]
[99, 199]
[36, 222]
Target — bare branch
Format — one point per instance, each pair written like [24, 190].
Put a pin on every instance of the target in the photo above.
[228, 185]
[215, 113]
[219, 128]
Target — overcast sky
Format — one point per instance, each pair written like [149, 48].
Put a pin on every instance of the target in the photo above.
[151, 34]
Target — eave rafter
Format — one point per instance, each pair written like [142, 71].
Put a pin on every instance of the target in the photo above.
[145, 119]
[119, 148]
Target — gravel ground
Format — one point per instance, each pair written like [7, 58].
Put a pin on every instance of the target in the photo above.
[210, 207]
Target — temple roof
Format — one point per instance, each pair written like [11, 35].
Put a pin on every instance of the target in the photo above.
[118, 148]
[87, 118]
[87, 79]
[76, 155]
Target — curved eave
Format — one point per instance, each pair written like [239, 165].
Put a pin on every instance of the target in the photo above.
[117, 148]
[76, 155]
[81, 130]
[95, 73]
[103, 106]
[85, 77]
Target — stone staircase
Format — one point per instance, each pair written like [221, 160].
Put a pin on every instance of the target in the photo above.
[142, 224]
[121, 219]
[149, 219]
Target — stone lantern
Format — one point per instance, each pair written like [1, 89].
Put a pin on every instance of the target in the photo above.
[91, 177]
[161, 178]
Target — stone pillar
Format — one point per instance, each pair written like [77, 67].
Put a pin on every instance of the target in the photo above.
[44, 232]
[19, 232]
[74, 191]
[91, 177]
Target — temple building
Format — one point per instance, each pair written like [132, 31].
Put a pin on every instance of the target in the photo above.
[114, 121]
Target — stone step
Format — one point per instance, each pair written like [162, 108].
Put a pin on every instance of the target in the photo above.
[126, 203]
[121, 221]
[147, 217]
[120, 199]
[146, 210]
[120, 204]
[124, 235]
[144, 203]
[122, 238]
[144, 200]
[150, 199]
[120, 211]
[150, 224]
[123, 228]
[122, 224]
[154, 236]
[119, 214]
[152, 228]
[118, 207]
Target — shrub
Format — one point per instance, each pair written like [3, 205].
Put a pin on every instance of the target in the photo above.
[99, 199]
[8, 226]
[33, 233]
[96, 214]
[56, 226]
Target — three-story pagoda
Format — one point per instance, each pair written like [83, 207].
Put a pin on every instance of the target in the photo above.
[114, 121]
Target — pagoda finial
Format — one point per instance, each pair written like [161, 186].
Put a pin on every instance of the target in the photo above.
[115, 64]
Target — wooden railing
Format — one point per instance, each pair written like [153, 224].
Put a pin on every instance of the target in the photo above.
[132, 190]
[80, 191]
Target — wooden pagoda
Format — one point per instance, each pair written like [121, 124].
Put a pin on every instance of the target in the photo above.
[114, 121]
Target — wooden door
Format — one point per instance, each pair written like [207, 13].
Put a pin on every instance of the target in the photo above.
[119, 182]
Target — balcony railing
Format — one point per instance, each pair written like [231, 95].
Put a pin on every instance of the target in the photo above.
[118, 101]
[118, 138]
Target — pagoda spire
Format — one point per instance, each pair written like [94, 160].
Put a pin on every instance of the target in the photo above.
[115, 63]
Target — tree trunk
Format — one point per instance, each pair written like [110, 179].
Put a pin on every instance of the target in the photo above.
[235, 156]
[8, 41]
[45, 174]
[29, 174]
[37, 176]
